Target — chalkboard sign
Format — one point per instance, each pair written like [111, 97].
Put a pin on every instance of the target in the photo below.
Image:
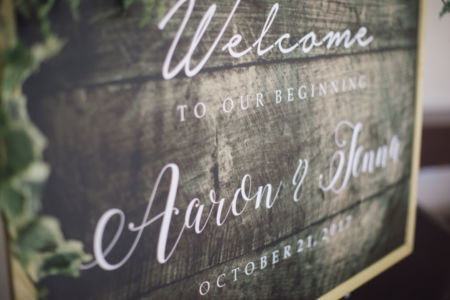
[237, 149]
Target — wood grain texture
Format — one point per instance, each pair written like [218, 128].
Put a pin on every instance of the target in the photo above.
[109, 45]
[137, 135]
[314, 271]
[112, 124]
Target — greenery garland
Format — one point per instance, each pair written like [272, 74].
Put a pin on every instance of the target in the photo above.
[36, 242]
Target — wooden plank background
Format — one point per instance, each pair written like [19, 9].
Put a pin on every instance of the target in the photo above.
[109, 45]
[112, 124]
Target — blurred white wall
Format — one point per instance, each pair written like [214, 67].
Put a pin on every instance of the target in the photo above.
[434, 188]
[436, 81]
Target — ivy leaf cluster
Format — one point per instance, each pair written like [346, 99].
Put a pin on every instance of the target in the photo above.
[36, 241]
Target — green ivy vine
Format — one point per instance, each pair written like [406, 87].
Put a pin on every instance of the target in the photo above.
[36, 241]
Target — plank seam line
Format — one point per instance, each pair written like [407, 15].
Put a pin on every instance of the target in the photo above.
[261, 62]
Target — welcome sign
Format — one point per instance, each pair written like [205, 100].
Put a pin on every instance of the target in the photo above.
[239, 149]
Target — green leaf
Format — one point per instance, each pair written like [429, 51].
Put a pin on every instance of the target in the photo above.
[127, 3]
[66, 260]
[40, 235]
[43, 51]
[18, 62]
[74, 5]
[12, 202]
[19, 149]
[42, 12]
[445, 9]
[21, 61]
[150, 7]
[41, 249]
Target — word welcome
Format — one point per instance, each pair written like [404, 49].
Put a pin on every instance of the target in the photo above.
[307, 42]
